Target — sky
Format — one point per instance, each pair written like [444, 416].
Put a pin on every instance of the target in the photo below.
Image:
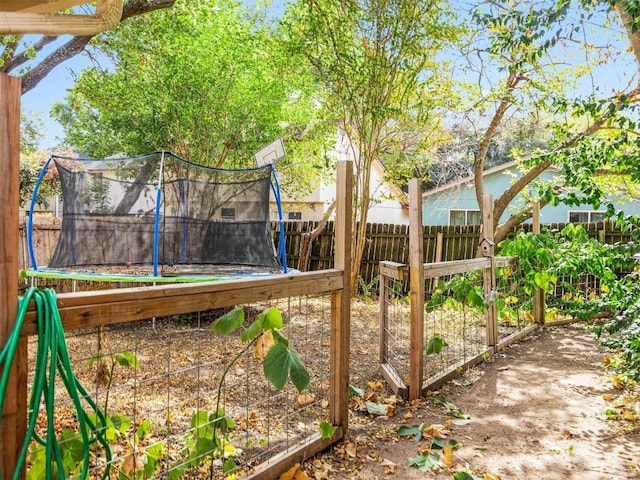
[51, 89]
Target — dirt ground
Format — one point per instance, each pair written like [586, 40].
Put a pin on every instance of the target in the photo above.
[538, 410]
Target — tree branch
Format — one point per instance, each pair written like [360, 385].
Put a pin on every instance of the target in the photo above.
[74, 46]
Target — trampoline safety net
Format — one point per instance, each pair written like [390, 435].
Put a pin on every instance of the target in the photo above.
[161, 210]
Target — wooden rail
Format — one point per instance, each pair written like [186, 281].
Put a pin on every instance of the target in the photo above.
[107, 307]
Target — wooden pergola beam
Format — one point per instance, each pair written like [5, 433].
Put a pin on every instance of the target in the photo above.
[29, 16]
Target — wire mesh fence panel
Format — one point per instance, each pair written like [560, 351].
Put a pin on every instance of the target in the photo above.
[454, 323]
[395, 329]
[183, 400]
[513, 300]
[571, 293]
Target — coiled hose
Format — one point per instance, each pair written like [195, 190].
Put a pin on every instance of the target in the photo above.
[52, 356]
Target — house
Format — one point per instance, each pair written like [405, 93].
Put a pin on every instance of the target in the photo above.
[456, 204]
[389, 203]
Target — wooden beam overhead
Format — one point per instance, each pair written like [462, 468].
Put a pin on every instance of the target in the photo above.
[35, 6]
[33, 17]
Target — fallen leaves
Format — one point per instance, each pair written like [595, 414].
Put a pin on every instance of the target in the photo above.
[388, 466]
[294, 473]
[371, 402]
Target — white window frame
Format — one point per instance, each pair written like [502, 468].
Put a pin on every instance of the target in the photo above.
[589, 213]
[466, 215]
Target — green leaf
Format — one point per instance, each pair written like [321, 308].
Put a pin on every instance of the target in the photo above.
[465, 476]
[414, 431]
[278, 337]
[436, 344]
[200, 423]
[229, 466]
[229, 322]
[177, 472]
[426, 462]
[327, 430]
[127, 359]
[121, 422]
[253, 331]
[541, 279]
[475, 299]
[272, 319]
[299, 374]
[358, 392]
[143, 429]
[154, 453]
[276, 365]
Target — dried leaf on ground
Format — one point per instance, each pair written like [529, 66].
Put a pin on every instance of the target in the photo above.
[389, 466]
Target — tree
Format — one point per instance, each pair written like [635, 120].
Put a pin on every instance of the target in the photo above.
[519, 53]
[376, 60]
[206, 82]
[18, 53]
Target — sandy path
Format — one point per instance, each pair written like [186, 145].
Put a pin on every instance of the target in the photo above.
[537, 412]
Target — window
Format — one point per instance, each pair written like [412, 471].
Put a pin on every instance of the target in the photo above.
[585, 217]
[465, 217]
[229, 213]
[295, 215]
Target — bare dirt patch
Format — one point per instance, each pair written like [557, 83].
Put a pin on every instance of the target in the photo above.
[537, 411]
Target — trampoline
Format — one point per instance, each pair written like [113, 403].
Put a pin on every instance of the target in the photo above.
[160, 218]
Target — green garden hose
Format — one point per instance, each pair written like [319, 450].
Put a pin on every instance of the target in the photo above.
[52, 357]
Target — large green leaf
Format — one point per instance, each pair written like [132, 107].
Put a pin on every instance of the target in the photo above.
[281, 362]
[272, 319]
[298, 372]
[476, 299]
[276, 365]
[229, 322]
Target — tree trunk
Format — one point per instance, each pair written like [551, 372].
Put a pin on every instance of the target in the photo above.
[308, 238]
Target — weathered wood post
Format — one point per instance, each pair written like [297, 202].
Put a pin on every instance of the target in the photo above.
[341, 299]
[489, 276]
[416, 282]
[539, 296]
[14, 415]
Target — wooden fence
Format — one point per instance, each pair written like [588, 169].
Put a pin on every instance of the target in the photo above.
[125, 308]
[385, 242]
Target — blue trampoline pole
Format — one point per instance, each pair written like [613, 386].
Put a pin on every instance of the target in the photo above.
[32, 206]
[156, 227]
[275, 186]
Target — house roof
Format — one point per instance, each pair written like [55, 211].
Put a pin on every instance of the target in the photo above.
[397, 192]
[44, 17]
[469, 179]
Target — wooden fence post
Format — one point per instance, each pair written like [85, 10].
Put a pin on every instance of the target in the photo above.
[14, 414]
[341, 299]
[539, 296]
[416, 282]
[489, 276]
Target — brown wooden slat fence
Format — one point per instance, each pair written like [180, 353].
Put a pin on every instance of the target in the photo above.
[385, 242]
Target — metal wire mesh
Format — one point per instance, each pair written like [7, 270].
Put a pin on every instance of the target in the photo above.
[514, 304]
[395, 328]
[161, 415]
[455, 324]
